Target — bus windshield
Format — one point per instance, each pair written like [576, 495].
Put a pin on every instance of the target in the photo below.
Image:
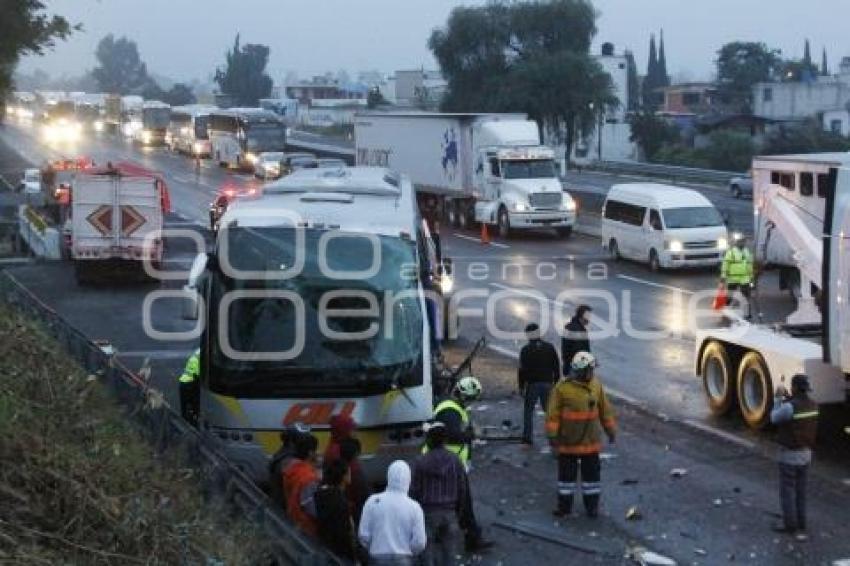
[156, 117]
[269, 324]
[265, 137]
[201, 124]
[533, 169]
[691, 217]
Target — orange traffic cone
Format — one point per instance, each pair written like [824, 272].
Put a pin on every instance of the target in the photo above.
[485, 235]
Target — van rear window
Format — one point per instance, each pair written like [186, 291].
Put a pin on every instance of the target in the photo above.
[624, 212]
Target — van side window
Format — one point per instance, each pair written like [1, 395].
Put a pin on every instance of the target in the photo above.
[782, 179]
[655, 220]
[807, 184]
[825, 186]
[624, 212]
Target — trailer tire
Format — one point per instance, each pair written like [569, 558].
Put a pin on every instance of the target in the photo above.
[755, 391]
[718, 380]
[504, 223]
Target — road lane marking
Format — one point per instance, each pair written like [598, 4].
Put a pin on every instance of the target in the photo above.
[654, 284]
[532, 295]
[7, 183]
[478, 241]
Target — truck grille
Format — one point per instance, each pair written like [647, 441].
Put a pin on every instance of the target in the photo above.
[700, 245]
[545, 200]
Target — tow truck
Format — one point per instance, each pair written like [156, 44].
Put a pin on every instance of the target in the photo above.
[802, 218]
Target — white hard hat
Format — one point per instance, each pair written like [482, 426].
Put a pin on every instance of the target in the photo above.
[582, 361]
[468, 388]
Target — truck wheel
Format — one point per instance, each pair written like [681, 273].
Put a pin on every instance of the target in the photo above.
[504, 224]
[614, 250]
[717, 379]
[462, 213]
[654, 262]
[451, 215]
[565, 232]
[755, 390]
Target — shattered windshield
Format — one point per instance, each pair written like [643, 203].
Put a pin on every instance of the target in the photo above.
[276, 313]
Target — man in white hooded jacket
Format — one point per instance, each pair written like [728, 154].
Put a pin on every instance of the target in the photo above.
[392, 527]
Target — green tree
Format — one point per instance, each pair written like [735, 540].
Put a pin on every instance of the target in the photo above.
[25, 29]
[179, 94]
[120, 69]
[651, 133]
[805, 137]
[244, 75]
[650, 82]
[633, 82]
[526, 57]
[824, 66]
[729, 151]
[740, 65]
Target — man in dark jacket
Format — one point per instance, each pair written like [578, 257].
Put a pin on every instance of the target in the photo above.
[441, 487]
[539, 368]
[333, 515]
[575, 338]
[796, 420]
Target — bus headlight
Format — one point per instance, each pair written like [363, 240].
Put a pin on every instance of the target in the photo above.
[446, 284]
[675, 246]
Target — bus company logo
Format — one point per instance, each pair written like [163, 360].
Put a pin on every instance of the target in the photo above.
[317, 413]
[450, 155]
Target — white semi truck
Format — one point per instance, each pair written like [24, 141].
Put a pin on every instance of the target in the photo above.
[486, 168]
[802, 217]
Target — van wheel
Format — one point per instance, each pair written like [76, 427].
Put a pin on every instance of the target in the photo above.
[755, 391]
[654, 262]
[504, 224]
[614, 250]
[717, 379]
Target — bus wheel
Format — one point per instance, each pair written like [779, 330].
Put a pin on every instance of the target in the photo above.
[717, 379]
[755, 391]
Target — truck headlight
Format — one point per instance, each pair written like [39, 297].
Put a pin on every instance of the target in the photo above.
[250, 157]
[520, 206]
[722, 244]
[146, 136]
[198, 148]
[675, 246]
[569, 205]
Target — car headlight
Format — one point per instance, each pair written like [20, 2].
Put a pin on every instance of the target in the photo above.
[675, 246]
[250, 158]
[722, 244]
[520, 206]
[446, 284]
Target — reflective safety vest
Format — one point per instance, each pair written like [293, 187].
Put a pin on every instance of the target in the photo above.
[461, 450]
[802, 430]
[192, 369]
[737, 266]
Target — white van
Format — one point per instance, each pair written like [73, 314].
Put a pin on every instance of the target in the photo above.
[663, 225]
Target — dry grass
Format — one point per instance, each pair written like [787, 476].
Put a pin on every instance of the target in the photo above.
[77, 483]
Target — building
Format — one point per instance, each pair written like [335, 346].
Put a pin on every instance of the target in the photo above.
[324, 88]
[794, 101]
[327, 113]
[690, 98]
[419, 88]
[837, 121]
[756, 127]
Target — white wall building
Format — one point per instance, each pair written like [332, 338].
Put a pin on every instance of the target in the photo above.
[799, 100]
[837, 121]
[330, 112]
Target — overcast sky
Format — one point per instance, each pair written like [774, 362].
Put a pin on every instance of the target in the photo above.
[186, 39]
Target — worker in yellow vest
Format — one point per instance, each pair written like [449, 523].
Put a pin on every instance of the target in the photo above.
[736, 271]
[453, 414]
[190, 388]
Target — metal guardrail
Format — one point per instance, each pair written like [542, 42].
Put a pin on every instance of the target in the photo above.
[164, 428]
[322, 149]
[672, 172]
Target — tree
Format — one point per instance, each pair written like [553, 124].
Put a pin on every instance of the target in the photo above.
[375, 98]
[806, 137]
[26, 29]
[244, 77]
[120, 69]
[649, 80]
[663, 78]
[729, 151]
[651, 133]
[179, 95]
[740, 65]
[807, 54]
[824, 66]
[633, 82]
[528, 57]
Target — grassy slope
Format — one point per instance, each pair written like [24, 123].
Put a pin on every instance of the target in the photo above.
[77, 483]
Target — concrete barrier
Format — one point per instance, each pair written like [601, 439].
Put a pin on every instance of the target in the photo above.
[42, 239]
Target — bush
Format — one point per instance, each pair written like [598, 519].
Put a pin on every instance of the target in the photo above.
[806, 137]
[729, 151]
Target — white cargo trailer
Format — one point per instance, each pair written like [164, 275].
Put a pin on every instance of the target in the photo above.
[486, 168]
[116, 219]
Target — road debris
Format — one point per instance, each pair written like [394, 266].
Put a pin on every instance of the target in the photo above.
[629, 481]
[678, 473]
[633, 514]
[700, 552]
[644, 557]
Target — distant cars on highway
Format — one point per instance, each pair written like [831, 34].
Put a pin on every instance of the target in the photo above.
[741, 186]
[299, 160]
[268, 165]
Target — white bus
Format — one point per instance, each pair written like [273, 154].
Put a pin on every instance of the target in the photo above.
[188, 129]
[350, 241]
[239, 135]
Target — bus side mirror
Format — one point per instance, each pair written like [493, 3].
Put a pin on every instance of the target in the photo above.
[191, 290]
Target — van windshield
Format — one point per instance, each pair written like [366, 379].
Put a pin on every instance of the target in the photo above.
[691, 217]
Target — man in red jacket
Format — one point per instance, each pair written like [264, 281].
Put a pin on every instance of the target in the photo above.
[300, 480]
